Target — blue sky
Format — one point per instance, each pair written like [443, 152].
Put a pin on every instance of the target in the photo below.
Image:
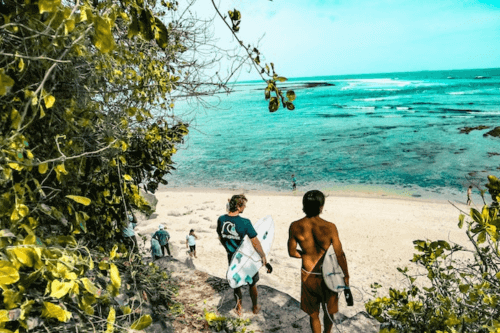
[310, 38]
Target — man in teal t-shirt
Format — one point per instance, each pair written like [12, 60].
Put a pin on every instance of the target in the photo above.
[232, 229]
[163, 237]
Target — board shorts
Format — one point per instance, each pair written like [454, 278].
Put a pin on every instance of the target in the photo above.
[192, 248]
[315, 292]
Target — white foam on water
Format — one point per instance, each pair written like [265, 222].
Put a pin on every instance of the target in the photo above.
[402, 108]
[383, 89]
[375, 99]
[360, 107]
[468, 92]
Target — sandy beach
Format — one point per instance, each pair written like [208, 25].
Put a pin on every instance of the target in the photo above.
[376, 231]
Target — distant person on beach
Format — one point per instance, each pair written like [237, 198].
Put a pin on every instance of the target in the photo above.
[128, 234]
[232, 229]
[227, 205]
[314, 236]
[155, 248]
[294, 183]
[191, 243]
[469, 194]
[163, 238]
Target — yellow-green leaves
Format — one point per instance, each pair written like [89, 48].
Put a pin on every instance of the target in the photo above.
[60, 170]
[112, 254]
[111, 320]
[89, 286]
[19, 212]
[15, 118]
[49, 101]
[82, 200]
[51, 310]
[48, 5]
[60, 289]
[127, 178]
[103, 38]
[6, 82]
[115, 276]
[9, 274]
[42, 168]
[26, 256]
[142, 323]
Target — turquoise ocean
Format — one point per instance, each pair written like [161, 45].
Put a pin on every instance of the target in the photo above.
[396, 131]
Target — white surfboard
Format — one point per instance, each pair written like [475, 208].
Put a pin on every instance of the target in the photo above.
[246, 261]
[332, 272]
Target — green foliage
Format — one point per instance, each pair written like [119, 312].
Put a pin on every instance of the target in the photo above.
[226, 324]
[463, 284]
[87, 93]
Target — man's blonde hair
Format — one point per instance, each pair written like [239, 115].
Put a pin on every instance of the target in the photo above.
[236, 202]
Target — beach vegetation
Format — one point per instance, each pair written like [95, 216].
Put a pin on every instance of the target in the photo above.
[461, 290]
[87, 125]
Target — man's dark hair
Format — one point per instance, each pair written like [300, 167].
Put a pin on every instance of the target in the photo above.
[236, 202]
[192, 230]
[312, 202]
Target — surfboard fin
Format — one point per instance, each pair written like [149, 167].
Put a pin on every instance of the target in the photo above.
[234, 266]
[265, 235]
[248, 279]
[236, 278]
[238, 257]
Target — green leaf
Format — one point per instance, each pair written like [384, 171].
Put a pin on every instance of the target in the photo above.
[48, 5]
[481, 238]
[8, 273]
[60, 289]
[161, 33]
[461, 220]
[476, 216]
[6, 83]
[281, 78]
[290, 106]
[103, 38]
[290, 94]
[142, 323]
[114, 274]
[55, 311]
[82, 200]
[42, 168]
[274, 104]
[111, 320]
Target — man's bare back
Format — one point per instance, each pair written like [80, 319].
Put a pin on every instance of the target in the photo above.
[314, 235]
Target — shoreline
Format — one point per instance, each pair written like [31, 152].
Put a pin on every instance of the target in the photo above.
[351, 191]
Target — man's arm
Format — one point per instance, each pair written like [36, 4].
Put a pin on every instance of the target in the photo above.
[292, 245]
[256, 245]
[187, 243]
[339, 252]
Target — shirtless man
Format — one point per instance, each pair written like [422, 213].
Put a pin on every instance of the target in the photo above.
[314, 236]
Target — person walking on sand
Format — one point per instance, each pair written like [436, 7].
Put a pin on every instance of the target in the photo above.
[232, 229]
[469, 194]
[294, 183]
[191, 243]
[314, 236]
[163, 237]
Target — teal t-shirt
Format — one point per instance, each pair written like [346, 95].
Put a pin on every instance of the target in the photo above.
[232, 230]
[162, 236]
